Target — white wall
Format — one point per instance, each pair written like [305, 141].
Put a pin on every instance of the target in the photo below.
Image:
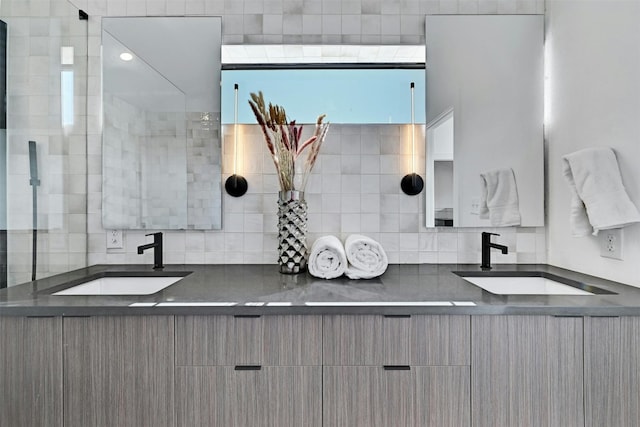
[594, 71]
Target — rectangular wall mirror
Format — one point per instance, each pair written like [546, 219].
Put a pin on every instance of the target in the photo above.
[484, 113]
[161, 123]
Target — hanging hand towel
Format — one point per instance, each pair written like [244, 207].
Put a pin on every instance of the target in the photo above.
[599, 200]
[367, 259]
[499, 198]
[327, 259]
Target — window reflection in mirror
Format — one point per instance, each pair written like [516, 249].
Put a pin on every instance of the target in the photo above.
[354, 95]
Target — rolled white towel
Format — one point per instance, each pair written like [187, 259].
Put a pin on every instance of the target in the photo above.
[327, 259]
[367, 259]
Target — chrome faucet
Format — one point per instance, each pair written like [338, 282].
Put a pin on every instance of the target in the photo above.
[486, 249]
[157, 250]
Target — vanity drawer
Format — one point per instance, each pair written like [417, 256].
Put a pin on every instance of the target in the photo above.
[248, 340]
[270, 396]
[419, 340]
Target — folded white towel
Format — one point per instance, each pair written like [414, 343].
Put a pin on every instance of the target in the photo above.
[327, 259]
[367, 259]
[599, 200]
[499, 198]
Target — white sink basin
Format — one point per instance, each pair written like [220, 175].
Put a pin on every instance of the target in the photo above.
[131, 285]
[515, 285]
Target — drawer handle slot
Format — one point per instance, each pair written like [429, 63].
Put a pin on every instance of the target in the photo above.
[397, 367]
[397, 316]
[246, 316]
[248, 367]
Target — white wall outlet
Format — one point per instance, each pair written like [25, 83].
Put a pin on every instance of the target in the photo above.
[475, 206]
[611, 243]
[114, 239]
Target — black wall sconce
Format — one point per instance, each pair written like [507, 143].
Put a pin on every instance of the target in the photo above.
[412, 183]
[236, 185]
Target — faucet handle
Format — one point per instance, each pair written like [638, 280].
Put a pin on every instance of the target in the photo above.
[485, 233]
[159, 233]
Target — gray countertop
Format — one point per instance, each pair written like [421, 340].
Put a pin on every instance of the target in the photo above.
[260, 289]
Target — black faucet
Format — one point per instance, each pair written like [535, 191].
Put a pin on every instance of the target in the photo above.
[486, 249]
[157, 250]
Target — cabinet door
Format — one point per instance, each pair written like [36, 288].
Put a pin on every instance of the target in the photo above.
[30, 371]
[526, 371]
[612, 371]
[371, 396]
[268, 396]
[118, 371]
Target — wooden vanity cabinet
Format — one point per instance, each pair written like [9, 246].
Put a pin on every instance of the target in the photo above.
[332, 370]
[31, 371]
[396, 370]
[249, 371]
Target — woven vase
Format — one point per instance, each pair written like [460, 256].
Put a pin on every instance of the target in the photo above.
[292, 232]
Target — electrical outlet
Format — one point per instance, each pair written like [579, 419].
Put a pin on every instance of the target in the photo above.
[114, 239]
[475, 206]
[611, 243]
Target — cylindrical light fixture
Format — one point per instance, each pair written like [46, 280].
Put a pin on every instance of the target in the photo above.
[236, 185]
[412, 183]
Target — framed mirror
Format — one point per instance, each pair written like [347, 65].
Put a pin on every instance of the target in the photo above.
[484, 113]
[161, 123]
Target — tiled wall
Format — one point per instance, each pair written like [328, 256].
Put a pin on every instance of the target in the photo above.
[124, 129]
[164, 170]
[204, 169]
[355, 187]
[158, 159]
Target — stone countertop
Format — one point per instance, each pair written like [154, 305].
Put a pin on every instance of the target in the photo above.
[260, 289]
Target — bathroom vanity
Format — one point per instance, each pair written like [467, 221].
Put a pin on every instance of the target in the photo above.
[244, 346]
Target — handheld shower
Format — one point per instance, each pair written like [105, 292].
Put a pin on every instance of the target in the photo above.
[34, 182]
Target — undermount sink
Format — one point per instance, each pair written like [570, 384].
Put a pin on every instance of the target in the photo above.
[121, 284]
[528, 283]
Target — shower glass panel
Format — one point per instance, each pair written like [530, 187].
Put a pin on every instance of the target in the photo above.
[43, 185]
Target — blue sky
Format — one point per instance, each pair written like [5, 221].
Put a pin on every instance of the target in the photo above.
[344, 95]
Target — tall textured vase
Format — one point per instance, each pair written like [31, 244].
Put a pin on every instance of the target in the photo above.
[292, 232]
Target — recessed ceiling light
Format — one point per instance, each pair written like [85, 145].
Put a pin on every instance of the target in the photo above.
[126, 56]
